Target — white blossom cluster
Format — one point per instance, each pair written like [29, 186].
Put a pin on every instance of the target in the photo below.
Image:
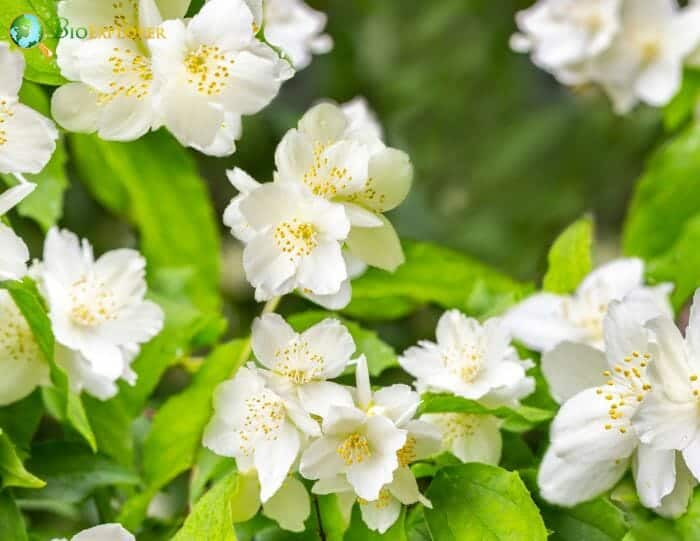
[614, 358]
[321, 221]
[143, 66]
[634, 50]
[287, 419]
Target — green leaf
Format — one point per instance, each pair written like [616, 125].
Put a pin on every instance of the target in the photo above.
[433, 275]
[39, 68]
[516, 420]
[570, 258]
[176, 434]
[29, 301]
[20, 420]
[476, 501]
[11, 522]
[111, 423]
[359, 530]
[165, 199]
[664, 218]
[682, 107]
[380, 355]
[597, 520]
[211, 517]
[72, 472]
[12, 470]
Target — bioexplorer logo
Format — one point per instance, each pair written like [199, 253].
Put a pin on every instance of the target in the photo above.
[26, 32]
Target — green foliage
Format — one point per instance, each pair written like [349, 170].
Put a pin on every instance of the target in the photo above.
[39, 68]
[683, 106]
[380, 355]
[570, 258]
[11, 521]
[358, 530]
[12, 470]
[662, 223]
[476, 501]
[516, 420]
[165, 199]
[597, 520]
[432, 275]
[176, 434]
[210, 518]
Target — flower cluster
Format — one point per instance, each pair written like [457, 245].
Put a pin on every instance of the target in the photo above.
[634, 49]
[321, 220]
[288, 418]
[614, 357]
[196, 77]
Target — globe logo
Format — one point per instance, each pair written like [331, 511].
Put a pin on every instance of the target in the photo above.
[26, 31]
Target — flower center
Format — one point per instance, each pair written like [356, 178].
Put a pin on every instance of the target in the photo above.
[17, 342]
[92, 303]
[650, 50]
[381, 502]
[295, 238]
[625, 390]
[354, 449]
[265, 413]
[133, 76]
[5, 113]
[298, 363]
[208, 69]
[456, 425]
[407, 454]
[324, 179]
[464, 362]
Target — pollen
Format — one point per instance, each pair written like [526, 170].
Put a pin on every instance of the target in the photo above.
[298, 363]
[264, 414]
[17, 343]
[323, 178]
[208, 69]
[92, 303]
[5, 114]
[407, 454]
[354, 449]
[295, 238]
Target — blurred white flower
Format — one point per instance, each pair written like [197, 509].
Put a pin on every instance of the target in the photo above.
[296, 242]
[300, 364]
[22, 364]
[562, 36]
[27, 139]
[97, 310]
[261, 429]
[104, 532]
[297, 29]
[363, 124]
[112, 90]
[210, 71]
[645, 60]
[470, 360]
[593, 437]
[342, 159]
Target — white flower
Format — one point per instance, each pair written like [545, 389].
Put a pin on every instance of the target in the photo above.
[562, 36]
[27, 139]
[565, 328]
[469, 360]
[296, 242]
[259, 428]
[397, 403]
[645, 60]
[593, 437]
[22, 364]
[97, 310]
[211, 70]
[297, 29]
[301, 364]
[669, 418]
[104, 532]
[361, 444]
[13, 251]
[330, 157]
[113, 91]
[242, 230]
[363, 124]
[471, 438]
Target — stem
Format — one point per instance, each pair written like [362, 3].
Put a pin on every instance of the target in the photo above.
[321, 532]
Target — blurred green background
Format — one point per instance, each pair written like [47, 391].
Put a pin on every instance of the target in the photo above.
[505, 157]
